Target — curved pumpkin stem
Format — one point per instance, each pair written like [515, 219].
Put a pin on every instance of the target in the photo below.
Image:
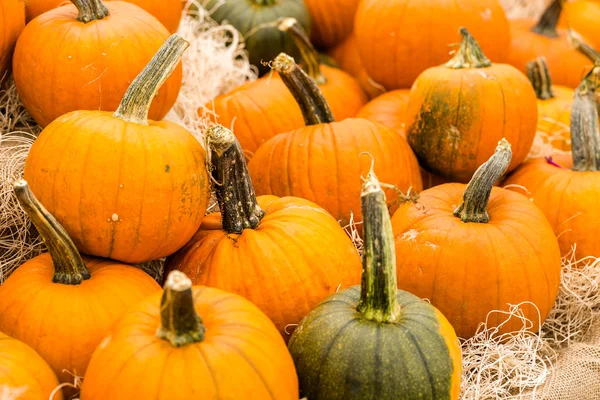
[180, 325]
[539, 76]
[138, 98]
[310, 56]
[235, 193]
[378, 284]
[592, 54]
[549, 20]
[469, 54]
[313, 105]
[90, 10]
[585, 133]
[477, 194]
[69, 268]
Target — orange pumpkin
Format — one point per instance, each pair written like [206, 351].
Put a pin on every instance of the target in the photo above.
[261, 109]
[24, 374]
[69, 60]
[457, 112]
[494, 250]
[332, 20]
[321, 162]
[12, 22]
[123, 186]
[269, 250]
[62, 304]
[389, 109]
[582, 16]
[399, 39]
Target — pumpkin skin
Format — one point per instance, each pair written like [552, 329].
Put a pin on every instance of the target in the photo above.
[22, 368]
[582, 16]
[389, 109]
[395, 49]
[332, 20]
[12, 22]
[93, 73]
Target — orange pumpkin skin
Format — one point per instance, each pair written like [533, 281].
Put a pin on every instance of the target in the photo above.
[134, 193]
[322, 163]
[582, 16]
[88, 66]
[395, 48]
[467, 270]
[332, 20]
[261, 109]
[23, 369]
[242, 356]
[65, 323]
[389, 110]
[292, 274]
[12, 22]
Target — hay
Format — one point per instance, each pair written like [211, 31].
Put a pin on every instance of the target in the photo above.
[11, 393]
[524, 8]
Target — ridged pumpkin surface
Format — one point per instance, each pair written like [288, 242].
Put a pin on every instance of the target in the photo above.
[389, 109]
[12, 22]
[582, 16]
[332, 20]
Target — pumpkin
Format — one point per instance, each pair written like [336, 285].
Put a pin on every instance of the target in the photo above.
[210, 344]
[261, 109]
[332, 20]
[582, 17]
[24, 372]
[565, 187]
[62, 304]
[84, 56]
[123, 186]
[269, 250]
[12, 21]
[491, 250]
[321, 162]
[374, 341]
[389, 109]
[398, 40]
[256, 20]
[531, 39]
[457, 112]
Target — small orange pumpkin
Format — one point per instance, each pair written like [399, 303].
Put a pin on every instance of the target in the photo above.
[389, 109]
[12, 22]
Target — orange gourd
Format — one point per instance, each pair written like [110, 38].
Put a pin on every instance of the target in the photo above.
[12, 22]
[389, 109]
[123, 186]
[457, 112]
[494, 250]
[332, 20]
[582, 16]
[266, 249]
[62, 304]
[84, 56]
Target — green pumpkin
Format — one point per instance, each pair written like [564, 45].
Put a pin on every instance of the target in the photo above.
[375, 342]
[266, 43]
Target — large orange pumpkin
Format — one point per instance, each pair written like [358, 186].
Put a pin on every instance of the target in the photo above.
[457, 112]
[332, 20]
[389, 109]
[191, 343]
[582, 16]
[284, 254]
[12, 22]
[491, 250]
[69, 60]
[322, 161]
[62, 304]
[124, 187]
[399, 39]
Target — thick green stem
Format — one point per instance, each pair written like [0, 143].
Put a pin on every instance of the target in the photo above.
[585, 134]
[69, 268]
[90, 10]
[180, 325]
[547, 24]
[469, 54]
[313, 105]
[539, 75]
[477, 194]
[138, 98]
[378, 285]
[235, 193]
[310, 55]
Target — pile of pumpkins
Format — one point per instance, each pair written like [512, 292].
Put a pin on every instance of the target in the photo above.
[361, 117]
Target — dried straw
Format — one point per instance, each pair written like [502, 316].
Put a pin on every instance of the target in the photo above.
[12, 393]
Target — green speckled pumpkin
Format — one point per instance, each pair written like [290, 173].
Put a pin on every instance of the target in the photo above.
[375, 342]
[247, 15]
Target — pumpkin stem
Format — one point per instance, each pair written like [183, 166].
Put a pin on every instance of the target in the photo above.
[310, 56]
[477, 194]
[469, 54]
[585, 133]
[180, 325]
[138, 98]
[264, 3]
[313, 105]
[235, 193]
[69, 268]
[547, 24]
[90, 10]
[539, 75]
[584, 48]
[378, 284]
